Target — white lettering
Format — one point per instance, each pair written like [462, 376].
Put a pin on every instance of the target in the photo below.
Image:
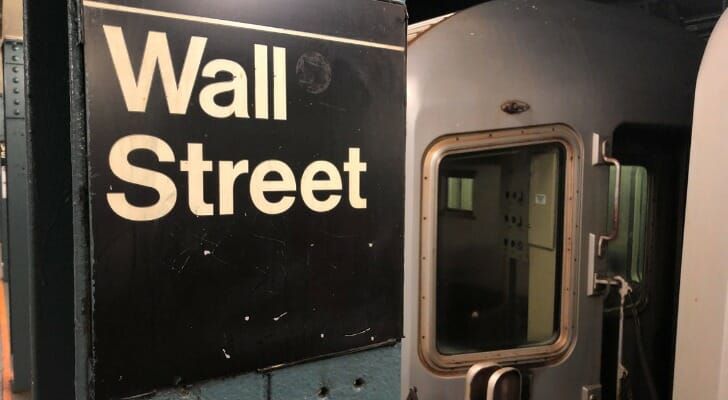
[196, 166]
[156, 52]
[228, 175]
[318, 176]
[238, 85]
[120, 166]
[259, 186]
[309, 184]
[279, 84]
[261, 81]
[135, 88]
[355, 167]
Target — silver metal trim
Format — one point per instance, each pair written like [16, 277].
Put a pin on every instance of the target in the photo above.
[497, 376]
[603, 239]
[624, 291]
[591, 392]
[453, 144]
[595, 154]
[473, 372]
[415, 30]
[591, 270]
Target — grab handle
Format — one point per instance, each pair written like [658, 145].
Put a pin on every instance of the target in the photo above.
[603, 239]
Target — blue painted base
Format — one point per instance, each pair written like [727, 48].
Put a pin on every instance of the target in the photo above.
[369, 375]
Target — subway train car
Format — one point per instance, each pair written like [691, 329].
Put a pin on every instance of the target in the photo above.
[547, 160]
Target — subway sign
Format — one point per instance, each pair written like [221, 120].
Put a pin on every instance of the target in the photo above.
[246, 185]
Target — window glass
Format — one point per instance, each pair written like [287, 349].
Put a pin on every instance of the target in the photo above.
[459, 193]
[626, 254]
[499, 271]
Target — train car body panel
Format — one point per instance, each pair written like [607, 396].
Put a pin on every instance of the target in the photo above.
[589, 67]
[701, 369]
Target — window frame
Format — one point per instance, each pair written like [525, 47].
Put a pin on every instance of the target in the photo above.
[480, 141]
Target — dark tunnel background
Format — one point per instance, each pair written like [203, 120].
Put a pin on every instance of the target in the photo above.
[697, 16]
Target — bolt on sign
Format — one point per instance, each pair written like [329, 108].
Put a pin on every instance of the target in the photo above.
[246, 167]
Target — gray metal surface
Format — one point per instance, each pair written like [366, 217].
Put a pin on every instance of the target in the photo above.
[19, 256]
[590, 66]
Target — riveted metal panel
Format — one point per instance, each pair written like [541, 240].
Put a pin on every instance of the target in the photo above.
[19, 256]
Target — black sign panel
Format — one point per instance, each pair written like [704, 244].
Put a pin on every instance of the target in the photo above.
[246, 163]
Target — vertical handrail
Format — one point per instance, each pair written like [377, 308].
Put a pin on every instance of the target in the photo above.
[624, 291]
[615, 208]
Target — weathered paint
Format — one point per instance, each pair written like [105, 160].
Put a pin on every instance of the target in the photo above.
[248, 386]
[377, 370]
[142, 358]
[379, 367]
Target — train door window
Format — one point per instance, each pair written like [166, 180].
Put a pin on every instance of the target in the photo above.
[497, 276]
[626, 255]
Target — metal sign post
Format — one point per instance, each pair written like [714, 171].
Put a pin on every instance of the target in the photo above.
[19, 255]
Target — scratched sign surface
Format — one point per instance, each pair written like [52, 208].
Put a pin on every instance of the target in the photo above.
[246, 167]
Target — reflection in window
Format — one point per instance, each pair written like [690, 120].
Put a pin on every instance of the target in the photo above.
[459, 193]
[626, 254]
[499, 272]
